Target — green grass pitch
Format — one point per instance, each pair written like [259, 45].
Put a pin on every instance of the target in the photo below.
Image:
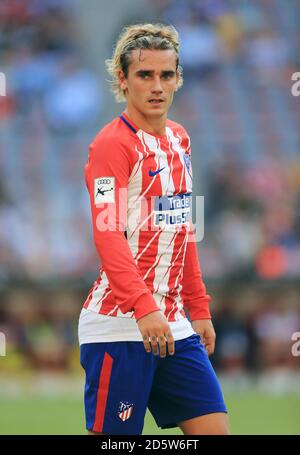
[249, 413]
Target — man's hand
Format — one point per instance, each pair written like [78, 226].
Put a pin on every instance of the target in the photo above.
[156, 331]
[205, 329]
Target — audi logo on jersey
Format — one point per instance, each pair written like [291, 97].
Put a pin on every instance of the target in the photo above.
[104, 181]
[104, 190]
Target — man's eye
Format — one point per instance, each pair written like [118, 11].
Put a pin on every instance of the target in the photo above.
[145, 76]
[168, 76]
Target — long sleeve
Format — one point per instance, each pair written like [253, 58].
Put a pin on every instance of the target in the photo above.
[193, 290]
[106, 173]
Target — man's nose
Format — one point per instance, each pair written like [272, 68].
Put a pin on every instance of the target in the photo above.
[156, 87]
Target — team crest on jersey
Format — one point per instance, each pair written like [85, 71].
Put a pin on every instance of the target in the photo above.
[104, 190]
[187, 160]
[125, 410]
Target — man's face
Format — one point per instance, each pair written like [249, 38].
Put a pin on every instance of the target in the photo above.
[151, 81]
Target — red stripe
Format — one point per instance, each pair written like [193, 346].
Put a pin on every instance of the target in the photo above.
[91, 291]
[103, 392]
[89, 297]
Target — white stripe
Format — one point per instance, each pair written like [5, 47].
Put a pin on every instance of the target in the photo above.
[178, 315]
[188, 172]
[179, 276]
[183, 257]
[166, 178]
[176, 145]
[162, 285]
[164, 256]
[147, 246]
[171, 191]
[142, 135]
[129, 314]
[173, 144]
[156, 260]
[134, 202]
[138, 164]
[99, 294]
[111, 312]
[161, 160]
[171, 264]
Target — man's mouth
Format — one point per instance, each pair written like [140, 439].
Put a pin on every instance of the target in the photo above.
[156, 101]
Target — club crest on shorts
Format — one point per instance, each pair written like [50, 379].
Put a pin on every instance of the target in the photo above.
[125, 410]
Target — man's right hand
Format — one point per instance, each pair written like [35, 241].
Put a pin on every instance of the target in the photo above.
[156, 332]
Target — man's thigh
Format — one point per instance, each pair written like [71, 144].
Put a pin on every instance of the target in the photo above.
[118, 382]
[185, 385]
[209, 424]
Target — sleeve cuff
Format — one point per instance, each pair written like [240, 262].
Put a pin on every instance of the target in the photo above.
[199, 309]
[199, 314]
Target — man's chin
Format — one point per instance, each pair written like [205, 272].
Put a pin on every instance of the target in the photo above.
[159, 111]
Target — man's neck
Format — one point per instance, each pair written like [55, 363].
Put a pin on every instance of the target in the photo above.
[152, 126]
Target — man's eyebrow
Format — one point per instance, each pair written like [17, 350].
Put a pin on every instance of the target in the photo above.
[151, 72]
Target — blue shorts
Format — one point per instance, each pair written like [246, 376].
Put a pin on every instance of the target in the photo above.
[122, 380]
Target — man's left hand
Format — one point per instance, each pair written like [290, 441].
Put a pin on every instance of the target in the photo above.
[205, 329]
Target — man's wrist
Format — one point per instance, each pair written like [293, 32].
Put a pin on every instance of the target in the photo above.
[145, 305]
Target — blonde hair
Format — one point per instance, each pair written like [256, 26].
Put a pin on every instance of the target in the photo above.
[140, 36]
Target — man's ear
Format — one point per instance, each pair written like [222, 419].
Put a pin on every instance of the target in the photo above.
[122, 80]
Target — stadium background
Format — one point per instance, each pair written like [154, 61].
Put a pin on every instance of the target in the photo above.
[236, 102]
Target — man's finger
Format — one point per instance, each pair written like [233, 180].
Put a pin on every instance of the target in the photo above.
[171, 343]
[209, 349]
[209, 346]
[146, 343]
[154, 345]
[201, 336]
[162, 346]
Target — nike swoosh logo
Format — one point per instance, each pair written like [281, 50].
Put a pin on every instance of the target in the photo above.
[153, 173]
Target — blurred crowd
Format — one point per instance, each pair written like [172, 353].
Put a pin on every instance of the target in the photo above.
[254, 329]
[236, 103]
[53, 99]
[48, 85]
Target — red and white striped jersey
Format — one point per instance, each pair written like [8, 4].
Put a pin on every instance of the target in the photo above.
[140, 188]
